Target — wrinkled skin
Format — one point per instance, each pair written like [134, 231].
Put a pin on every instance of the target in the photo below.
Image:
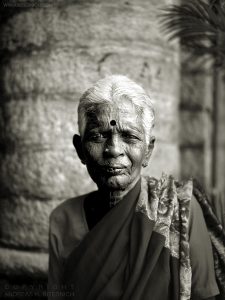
[114, 154]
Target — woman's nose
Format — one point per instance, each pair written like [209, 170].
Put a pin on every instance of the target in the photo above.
[114, 147]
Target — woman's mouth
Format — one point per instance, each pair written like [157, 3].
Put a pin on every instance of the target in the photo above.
[114, 170]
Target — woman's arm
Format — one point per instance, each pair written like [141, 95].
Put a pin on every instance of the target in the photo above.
[204, 283]
[55, 268]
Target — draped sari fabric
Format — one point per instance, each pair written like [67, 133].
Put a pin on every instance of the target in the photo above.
[217, 236]
[139, 250]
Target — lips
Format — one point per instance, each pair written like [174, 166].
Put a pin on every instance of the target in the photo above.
[114, 170]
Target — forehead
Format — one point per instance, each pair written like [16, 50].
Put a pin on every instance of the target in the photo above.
[124, 112]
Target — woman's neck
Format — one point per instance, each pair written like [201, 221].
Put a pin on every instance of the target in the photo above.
[97, 205]
[115, 196]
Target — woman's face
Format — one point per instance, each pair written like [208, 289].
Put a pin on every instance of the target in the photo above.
[114, 145]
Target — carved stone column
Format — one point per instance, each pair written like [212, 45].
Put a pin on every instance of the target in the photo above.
[49, 56]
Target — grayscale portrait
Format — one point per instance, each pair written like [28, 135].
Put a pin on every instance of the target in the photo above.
[112, 150]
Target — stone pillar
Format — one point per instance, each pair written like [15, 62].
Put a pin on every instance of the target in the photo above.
[196, 121]
[202, 126]
[219, 136]
[49, 57]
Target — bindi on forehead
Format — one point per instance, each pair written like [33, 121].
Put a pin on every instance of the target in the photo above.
[113, 123]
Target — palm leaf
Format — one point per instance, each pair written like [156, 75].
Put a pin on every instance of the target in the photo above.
[200, 26]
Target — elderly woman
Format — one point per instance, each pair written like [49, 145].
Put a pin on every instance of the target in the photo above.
[135, 237]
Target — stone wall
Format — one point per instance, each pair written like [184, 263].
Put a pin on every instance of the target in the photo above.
[49, 56]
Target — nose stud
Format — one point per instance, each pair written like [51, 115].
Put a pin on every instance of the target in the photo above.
[113, 122]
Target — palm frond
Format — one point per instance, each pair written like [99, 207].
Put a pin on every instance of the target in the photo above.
[200, 26]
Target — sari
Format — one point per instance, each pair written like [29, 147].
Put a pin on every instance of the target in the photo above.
[139, 249]
[217, 236]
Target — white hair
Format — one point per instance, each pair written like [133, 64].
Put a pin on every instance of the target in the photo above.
[112, 89]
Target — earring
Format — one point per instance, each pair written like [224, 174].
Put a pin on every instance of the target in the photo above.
[144, 164]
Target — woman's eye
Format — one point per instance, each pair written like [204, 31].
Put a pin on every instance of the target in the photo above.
[96, 137]
[129, 136]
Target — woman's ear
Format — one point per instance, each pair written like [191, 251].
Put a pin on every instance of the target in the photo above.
[149, 151]
[78, 146]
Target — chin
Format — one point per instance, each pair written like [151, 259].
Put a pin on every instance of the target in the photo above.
[120, 182]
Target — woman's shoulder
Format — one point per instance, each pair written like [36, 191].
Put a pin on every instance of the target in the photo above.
[69, 211]
[68, 225]
[167, 181]
[66, 206]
